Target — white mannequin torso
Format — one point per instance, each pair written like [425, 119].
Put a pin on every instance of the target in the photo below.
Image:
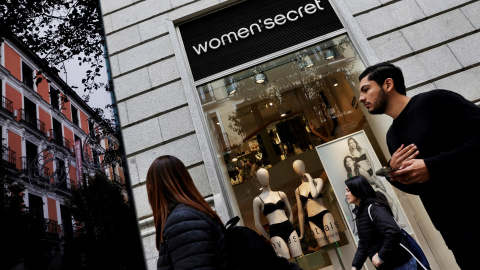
[269, 196]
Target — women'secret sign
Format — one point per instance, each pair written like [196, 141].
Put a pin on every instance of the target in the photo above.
[253, 29]
[269, 23]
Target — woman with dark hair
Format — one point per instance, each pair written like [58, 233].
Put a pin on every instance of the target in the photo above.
[353, 169]
[379, 235]
[189, 234]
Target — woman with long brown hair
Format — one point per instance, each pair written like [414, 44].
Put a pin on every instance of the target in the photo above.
[189, 234]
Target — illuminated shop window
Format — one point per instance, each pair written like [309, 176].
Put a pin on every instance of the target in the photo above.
[277, 112]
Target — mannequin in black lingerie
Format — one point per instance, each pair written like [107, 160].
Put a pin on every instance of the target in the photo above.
[309, 199]
[275, 207]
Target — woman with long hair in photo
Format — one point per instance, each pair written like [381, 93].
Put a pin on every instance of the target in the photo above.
[353, 169]
[361, 156]
[189, 234]
[378, 232]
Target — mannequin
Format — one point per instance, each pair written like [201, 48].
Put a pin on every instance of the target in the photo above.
[309, 198]
[272, 204]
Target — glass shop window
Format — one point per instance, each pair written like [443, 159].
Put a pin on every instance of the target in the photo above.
[272, 114]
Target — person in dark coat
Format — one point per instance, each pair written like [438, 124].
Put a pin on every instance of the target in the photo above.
[434, 141]
[379, 236]
[189, 234]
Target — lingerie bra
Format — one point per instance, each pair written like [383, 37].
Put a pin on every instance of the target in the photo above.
[304, 199]
[269, 208]
[361, 157]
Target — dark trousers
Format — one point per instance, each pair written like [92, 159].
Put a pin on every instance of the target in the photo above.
[464, 243]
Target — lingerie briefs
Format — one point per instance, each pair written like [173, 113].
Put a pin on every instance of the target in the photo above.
[318, 219]
[283, 229]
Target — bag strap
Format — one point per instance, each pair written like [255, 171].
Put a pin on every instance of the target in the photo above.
[413, 256]
[232, 222]
[369, 207]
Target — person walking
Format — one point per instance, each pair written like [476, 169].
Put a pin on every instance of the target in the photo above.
[189, 234]
[434, 141]
[379, 235]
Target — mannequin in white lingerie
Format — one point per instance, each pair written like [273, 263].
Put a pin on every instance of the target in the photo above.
[272, 204]
[309, 198]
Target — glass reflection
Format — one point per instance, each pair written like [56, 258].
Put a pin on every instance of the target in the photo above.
[306, 98]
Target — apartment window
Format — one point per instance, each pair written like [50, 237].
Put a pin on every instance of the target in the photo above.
[75, 116]
[27, 75]
[91, 127]
[55, 98]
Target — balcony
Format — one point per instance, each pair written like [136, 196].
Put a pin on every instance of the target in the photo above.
[63, 187]
[39, 173]
[42, 175]
[7, 105]
[26, 165]
[8, 157]
[48, 229]
[31, 121]
[59, 140]
[52, 229]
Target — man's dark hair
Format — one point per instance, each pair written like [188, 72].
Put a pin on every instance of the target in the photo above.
[382, 71]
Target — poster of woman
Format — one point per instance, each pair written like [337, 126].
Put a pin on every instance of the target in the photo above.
[350, 156]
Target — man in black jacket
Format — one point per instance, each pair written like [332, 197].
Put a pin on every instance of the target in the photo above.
[442, 129]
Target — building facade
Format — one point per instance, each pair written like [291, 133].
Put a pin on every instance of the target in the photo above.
[233, 86]
[43, 134]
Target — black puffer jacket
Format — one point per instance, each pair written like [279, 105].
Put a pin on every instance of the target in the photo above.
[192, 240]
[381, 235]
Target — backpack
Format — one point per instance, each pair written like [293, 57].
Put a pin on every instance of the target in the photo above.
[415, 250]
[250, 251]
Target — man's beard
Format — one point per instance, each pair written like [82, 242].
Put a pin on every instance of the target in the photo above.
[380, 103]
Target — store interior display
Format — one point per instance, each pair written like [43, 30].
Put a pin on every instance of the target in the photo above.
[269, 125]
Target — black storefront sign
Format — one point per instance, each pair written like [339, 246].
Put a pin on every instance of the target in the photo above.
[252, 29]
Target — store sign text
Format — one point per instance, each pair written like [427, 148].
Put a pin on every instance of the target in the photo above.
[268, 23]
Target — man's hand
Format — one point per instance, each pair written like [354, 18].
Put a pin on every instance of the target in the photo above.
[412, 171]
[403, 154]
[376, 261]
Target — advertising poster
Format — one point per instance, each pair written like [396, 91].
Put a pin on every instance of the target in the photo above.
[350, 156]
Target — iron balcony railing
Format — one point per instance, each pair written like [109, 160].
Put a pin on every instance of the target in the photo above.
[8, 156]
[63, 184]
[26, 164]
[7, 105]
[31, 120]
[52, 229]
[38, 172]
[58, 139]
[49, 229]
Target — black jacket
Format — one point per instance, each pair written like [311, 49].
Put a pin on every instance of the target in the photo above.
[381, 235]
[192, 240]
